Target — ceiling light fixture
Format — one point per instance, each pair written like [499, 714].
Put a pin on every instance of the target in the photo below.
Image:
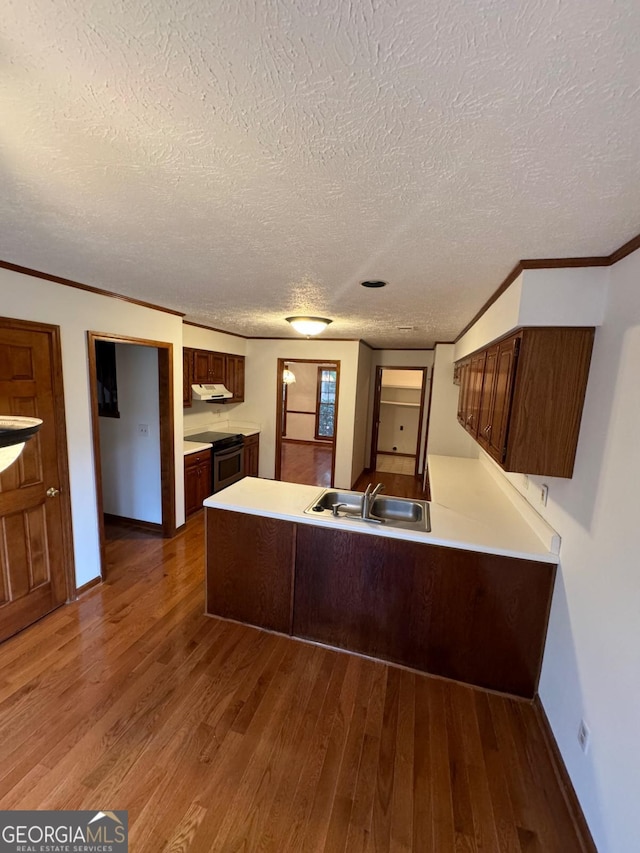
[288, 376]
[14, 432]
[308, 325]
[373, 283]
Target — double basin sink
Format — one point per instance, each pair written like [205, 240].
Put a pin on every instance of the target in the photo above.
[404, 513]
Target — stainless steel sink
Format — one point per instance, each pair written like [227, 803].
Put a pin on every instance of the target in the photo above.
[395, 512]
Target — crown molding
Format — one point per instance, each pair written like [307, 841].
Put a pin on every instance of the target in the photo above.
[549, 264]
[68, 282]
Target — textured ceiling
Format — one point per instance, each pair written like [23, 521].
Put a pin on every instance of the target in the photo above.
[246, 160]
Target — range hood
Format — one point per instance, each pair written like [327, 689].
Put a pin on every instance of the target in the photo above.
[210, 393]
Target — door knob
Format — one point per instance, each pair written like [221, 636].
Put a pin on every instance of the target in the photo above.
[52, 492]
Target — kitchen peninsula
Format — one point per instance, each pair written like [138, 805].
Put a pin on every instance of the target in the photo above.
[468, 600]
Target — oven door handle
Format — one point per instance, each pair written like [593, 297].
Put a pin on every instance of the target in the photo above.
[229, 451]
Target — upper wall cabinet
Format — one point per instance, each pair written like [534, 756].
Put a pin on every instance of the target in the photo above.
[187, 376]
[234, 377]
[521, 398]
[208, 367]
[202, 367]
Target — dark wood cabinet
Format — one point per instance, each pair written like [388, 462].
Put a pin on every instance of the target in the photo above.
[478, 618]
[208, 367]
[187, 377]
[251, 455]
[197, 480]
[250, 566]
[202, 367]
[496, 397]
[234, 377]
[522, 398]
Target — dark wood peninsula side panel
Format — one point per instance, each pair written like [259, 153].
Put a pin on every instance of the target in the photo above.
[478, 618]
[250, 564]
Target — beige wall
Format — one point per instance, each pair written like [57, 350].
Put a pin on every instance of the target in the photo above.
[361, 423]
[446, 437]
[301, 397]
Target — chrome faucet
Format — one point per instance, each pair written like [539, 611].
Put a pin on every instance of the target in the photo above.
[367, 501]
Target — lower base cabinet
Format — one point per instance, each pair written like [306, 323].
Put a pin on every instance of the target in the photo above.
[474, 617]
[197, 480]
[251, 455]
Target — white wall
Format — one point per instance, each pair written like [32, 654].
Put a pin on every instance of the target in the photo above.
[592, 657]
[261, 386]
[77, 311]
[497, 320]
[563, 297]
[551, 297]
[446, 436]
[131, 483]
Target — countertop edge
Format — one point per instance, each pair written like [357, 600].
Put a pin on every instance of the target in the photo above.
[355, 526]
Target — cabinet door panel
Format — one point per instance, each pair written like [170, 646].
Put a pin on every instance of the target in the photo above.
[251, 455]
[204, 482]
[502, 398]
[200, 367]
[235, 377]
[487, 397]
[475, 392]
[187, 376]
[208, 367]
[216, 368]
[191, 489]
[463, 394]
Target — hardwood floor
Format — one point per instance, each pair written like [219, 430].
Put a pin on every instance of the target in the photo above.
[400, 485]
[309, 464]
[220, 737]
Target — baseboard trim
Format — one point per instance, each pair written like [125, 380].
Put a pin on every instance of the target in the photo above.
[564, 780]
[88, 585]
[395, 453]
[149, 526]
[309, 441]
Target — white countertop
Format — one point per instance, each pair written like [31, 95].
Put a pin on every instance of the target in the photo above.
[469, 511]
[194, 446]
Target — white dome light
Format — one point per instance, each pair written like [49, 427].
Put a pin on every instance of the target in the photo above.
[308, 325]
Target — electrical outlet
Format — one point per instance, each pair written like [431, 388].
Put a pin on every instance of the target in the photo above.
[143, 429]
[544, 494]
[584, 736]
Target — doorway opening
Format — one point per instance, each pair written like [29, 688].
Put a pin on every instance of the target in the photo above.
[306, 422]
[398, 419]
[131, 387]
